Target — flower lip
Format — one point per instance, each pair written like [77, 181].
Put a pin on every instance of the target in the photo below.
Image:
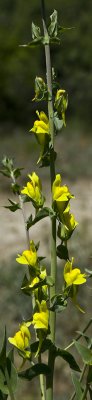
[73, 276]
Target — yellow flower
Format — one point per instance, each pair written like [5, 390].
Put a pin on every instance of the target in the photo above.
[69, 219]
[33, 189]
[21, 339]
[40, 318]
[59, 93]
[68, 223]
[28, 257]
[61, 103]
[73, 276]
[41, 127]
[61, 194]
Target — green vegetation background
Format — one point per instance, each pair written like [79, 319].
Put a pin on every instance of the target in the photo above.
[18, 66]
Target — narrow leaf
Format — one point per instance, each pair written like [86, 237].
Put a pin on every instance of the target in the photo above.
[68, 357]
[3, 383]
[12, 374]
[36, 32]
[89, 376]
[34, 371]
[85, 353]
[53, 26]
[43, 213]
[77, 387]
[13, 207]
[3, 352]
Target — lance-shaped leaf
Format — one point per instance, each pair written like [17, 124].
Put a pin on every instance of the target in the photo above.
[89, 376]
[43, 213]
[89, 272]
[52, 29]
[13, 206]
[12, 372]
[3, 352]
[46, 344]
[3, 383]
[62, 29]
[12, 377]
[77, 386]
[90, 392]
[62, 252]
[3, 396]
[34, 371]
[85, 353]
[68, 357]
[36, 32]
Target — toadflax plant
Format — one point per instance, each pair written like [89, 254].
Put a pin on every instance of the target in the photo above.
[37, 284]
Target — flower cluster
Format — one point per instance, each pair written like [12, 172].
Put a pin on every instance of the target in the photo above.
[37, 285]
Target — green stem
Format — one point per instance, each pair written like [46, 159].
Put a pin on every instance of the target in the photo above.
[42, 381]
[49, 381]
[24, 218]
[9, 385]
[80, 335]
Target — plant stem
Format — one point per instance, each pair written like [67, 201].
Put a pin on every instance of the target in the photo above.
[24, 218]
[80, 335]
[49, 382]
[42, 381]
[9, 384]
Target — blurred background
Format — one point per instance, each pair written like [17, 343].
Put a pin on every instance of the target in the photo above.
[72, 61]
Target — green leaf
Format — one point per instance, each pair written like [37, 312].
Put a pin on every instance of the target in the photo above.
[44, 347]
[11, 355]
[14, 206]
[52, 29]
[12, 374]
[69, 358]
[43, 213]
[34, 371]
[90, 392]
[3, 396]
[15, 188]
[59, 303]
[3, 383]
[77, 386]
[33, 43]
[89, 376]
[88, 272]
[17, 172]
[36, 32]
[87, 338]
[85, 353]
[62, 29]
[62, 252]
[3, 352]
